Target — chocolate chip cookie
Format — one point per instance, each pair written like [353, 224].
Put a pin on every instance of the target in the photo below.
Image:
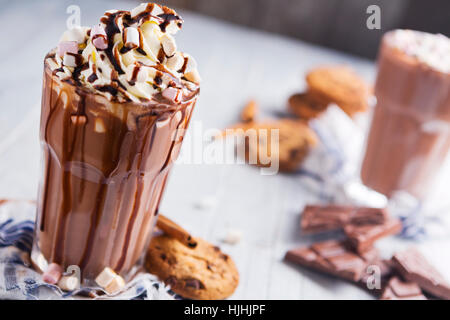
[307, 105]
[295, 141]
[202, 273]
[341, 85]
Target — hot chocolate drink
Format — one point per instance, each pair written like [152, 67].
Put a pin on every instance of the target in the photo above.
[410, 133]
[117, 99]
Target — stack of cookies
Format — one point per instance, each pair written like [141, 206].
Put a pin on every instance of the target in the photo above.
[407, 275]
[333, 84]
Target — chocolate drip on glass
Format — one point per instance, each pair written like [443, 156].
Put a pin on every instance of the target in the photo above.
[105, 168]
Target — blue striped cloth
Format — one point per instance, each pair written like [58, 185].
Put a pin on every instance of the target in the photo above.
[18, 280]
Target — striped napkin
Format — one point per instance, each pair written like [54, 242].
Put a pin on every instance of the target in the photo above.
[18, 280]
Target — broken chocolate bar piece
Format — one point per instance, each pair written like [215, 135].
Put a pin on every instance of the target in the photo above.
[333, 257]
[413, 266]
[362, 237]
[316, 218]
[397, 289]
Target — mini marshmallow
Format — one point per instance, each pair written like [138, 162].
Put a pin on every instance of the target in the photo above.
[100, 43]
[172, 28]
[109, 280]
[142, 74]
[52, 274]
[191, 64]
[98, 30]
[115, 285]
[131, 37]
[105, 277]
[67, 46]
[175, 62]
[172, 94]
[77, 34]
[138, 10]
[98, 36]
[41, 262]
[69, 283]
[63, 75]
[168, 44]
[190, 85]
[69, 60]
[137, 73]
[157, 10]
[193, 76]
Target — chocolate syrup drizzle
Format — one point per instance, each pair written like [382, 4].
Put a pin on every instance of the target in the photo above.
[74, 136]
[168, 17]
[110, 20]
[111, 29]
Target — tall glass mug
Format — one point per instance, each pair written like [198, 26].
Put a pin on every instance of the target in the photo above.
[410, 132]
[105, 165]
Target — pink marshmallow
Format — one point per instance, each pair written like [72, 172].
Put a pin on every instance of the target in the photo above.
[100, 43]
[172, 94]
[98, 36]
[52, 274]
[67, 47]
[98, 30]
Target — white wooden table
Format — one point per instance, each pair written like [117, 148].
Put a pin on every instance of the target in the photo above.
[236, 64]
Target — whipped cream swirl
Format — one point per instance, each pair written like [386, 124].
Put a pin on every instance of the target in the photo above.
[129, 56]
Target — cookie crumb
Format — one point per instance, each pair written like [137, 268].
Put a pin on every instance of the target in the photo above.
[206, 203]
[233, 236]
